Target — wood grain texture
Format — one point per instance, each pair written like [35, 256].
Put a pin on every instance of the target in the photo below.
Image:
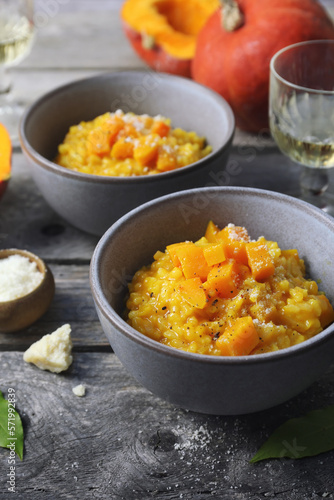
[26, 220]
[73, 304]
[121, 442]
[80, 39]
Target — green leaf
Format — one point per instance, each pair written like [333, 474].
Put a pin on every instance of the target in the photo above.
[11, 430]
[300, 437]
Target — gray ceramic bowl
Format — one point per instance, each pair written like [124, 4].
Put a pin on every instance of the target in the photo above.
[215, 385]
[92, 203]
[22, 312]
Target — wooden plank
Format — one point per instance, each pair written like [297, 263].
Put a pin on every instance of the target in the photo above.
[80, 40]
[45, 233]
[29, 85]
[73, 304]
[81, 5]
[121, 442]
[28, 222]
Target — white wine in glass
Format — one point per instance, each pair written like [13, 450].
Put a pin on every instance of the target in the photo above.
[16, 37]
[301, 114]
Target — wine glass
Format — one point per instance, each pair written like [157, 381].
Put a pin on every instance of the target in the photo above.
[16, 36]
[301, 114]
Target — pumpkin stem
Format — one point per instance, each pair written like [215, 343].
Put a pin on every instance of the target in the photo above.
[147, 41]
[232, 17]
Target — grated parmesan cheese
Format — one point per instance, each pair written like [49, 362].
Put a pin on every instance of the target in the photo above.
[18, 277]
[79, 390]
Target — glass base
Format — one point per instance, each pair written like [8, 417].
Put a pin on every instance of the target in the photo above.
[10, 116]
[324, 201]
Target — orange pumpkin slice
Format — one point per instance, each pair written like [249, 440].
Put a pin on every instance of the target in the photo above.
[5, 158]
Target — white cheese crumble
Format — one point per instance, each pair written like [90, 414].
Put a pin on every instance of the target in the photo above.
[53, 351]
[18, 277]
[79, 390]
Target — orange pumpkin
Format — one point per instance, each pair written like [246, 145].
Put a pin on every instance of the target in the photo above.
[163, 32]
[5, 158]
[235, 47]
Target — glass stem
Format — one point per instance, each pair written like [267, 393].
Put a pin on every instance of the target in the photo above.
[5, 82]
[314, 181]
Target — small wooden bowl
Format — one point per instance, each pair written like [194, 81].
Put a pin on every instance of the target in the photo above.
[22, 312]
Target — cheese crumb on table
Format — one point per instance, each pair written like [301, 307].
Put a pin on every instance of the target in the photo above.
[79, 390]
[18, 277]
[53, 351]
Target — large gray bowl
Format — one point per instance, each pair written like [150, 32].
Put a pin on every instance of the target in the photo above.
[92, 203]
[207, 384]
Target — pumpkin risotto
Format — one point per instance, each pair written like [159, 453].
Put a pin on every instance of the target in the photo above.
[227, 295]
[124, 144]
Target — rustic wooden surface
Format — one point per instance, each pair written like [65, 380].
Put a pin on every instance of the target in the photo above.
[120, 441]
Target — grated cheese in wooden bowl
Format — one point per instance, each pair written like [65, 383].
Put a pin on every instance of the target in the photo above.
[18, 277]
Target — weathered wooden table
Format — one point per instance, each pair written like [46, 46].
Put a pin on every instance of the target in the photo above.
[120, 441]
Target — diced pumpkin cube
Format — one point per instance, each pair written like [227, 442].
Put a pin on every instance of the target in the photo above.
[214, 254]
[211, 232]
[98, 142]
[234, 239]
[122, 149]
[166, 161]
[192, 261]
[202, 242]
[192, 291]
[171, 249]
[239, 339]
[244, 273]
[129, 131]
[327, 313]
[146, 151]
[260, 260]
[147, 121]
[160, 128]
[223, 280]
[112, 128]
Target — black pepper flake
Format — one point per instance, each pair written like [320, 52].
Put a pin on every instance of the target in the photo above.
[214, 302]
[151, 294]
[216, 336]
[164, 307]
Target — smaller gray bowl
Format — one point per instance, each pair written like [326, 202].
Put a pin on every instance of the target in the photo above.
[209, 384]
[90, 202]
